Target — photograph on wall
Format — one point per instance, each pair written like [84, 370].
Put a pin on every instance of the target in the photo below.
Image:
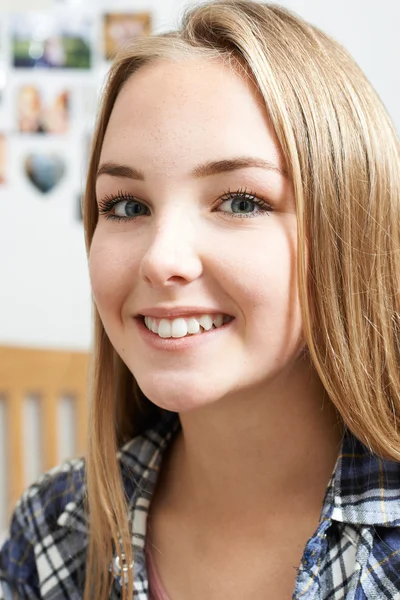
[120, 29]
[3, 154]
[42, 109]
[44, 170]
[44, 40]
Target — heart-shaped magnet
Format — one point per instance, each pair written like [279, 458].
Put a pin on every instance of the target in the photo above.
[44, 170]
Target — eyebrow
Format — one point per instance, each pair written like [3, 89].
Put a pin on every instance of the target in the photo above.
[204, 170]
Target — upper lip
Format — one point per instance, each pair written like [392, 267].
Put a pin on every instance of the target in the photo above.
[160, 312]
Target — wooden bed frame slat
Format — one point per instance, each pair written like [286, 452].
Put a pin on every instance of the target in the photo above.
[49, 375]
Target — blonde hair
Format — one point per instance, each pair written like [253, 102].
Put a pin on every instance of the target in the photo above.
[343, 157]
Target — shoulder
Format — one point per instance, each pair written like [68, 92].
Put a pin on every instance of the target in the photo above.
[378, 556]
[366, 510]
[45, 553]
[44, 501]
[37, 535]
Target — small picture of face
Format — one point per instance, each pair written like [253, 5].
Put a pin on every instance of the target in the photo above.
[120, 29]
[42, 40]
[2, 159]
[42, 110]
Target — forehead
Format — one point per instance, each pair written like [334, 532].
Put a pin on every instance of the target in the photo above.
[167, 112]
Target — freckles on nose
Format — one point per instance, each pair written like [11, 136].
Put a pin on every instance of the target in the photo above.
[171, 254]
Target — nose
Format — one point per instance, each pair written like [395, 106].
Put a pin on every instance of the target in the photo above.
[171, 257]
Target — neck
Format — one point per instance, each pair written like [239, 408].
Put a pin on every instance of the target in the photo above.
[256, 451]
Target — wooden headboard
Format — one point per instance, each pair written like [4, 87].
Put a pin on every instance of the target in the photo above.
[50, 377]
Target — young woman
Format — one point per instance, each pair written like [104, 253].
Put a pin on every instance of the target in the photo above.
[242, 215]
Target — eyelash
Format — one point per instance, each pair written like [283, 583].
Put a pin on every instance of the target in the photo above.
[109, 202]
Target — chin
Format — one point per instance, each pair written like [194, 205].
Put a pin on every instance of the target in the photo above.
[178, 398]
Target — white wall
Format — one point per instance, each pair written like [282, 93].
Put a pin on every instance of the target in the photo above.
[44, 287]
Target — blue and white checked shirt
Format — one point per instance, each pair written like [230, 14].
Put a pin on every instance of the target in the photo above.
[354, 553]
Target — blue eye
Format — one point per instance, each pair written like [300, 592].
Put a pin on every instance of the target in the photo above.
[238, 204]
[129, 208]
[122, 207]
[243, 204]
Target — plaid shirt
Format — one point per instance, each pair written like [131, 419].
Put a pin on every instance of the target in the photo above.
[353, 554]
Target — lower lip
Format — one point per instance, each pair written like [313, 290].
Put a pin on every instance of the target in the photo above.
[183, 343]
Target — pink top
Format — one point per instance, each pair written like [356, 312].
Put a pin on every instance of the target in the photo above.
[156, 588]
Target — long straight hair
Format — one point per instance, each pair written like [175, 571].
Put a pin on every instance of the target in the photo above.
[343, 157]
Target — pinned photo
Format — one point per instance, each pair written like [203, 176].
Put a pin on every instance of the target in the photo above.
[43, 110]
[42, 40]
[120, 29]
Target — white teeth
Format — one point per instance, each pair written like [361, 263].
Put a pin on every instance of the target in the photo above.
[192, 326]
[206, 322]
[164, 328]
[180, 327]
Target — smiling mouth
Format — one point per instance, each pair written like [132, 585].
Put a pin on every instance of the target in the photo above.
[185, 327]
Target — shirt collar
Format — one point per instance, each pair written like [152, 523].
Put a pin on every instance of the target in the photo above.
[365, 487]
[140, 460]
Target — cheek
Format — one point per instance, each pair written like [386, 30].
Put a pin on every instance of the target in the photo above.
[111, 272]
[261, 277]
[262, 272]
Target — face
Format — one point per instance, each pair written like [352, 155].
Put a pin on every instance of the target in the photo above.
[197, 229]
